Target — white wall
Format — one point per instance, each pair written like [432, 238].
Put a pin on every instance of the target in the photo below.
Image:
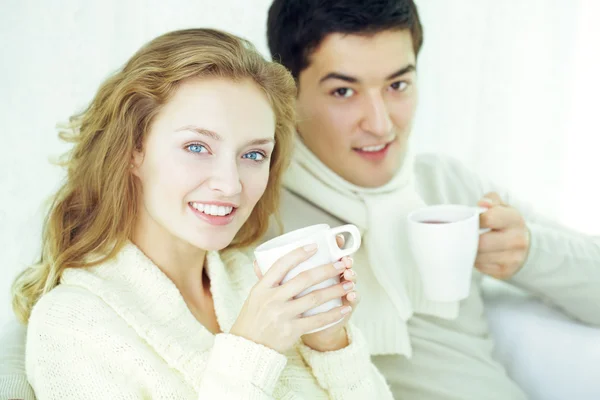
[508, 87]
[511, 88]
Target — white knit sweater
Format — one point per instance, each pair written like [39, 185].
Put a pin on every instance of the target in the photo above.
[121, 330]
[453, 359]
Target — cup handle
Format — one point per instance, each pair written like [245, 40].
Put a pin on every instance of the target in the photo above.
[481, 210]
[335, 250]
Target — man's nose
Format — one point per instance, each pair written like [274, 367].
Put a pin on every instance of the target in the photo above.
[376, 119]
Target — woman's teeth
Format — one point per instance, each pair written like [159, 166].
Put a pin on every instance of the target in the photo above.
[211, 209]
[372, 149]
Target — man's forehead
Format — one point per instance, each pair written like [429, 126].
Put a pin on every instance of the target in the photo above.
[373, 56]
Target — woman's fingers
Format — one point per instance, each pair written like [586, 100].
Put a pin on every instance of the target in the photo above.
[339, 239]
[285, 264]
[312, 277]
[259, 274]
[320, 296]
[311, 323]
[352, 299]
[349, 275]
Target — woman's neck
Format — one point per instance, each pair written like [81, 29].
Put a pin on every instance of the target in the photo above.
[182, 262]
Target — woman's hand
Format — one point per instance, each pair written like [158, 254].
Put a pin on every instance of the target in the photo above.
[335, 337]
[272, 317]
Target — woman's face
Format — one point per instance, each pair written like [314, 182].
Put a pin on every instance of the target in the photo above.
[205, 161]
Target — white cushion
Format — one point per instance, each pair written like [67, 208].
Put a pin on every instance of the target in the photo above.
[549, 355]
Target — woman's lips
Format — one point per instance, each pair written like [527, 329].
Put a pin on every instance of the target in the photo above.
[216, 220]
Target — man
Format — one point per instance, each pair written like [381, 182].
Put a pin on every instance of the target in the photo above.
[355, 65]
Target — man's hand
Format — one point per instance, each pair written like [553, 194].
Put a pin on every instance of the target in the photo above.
[503, 250]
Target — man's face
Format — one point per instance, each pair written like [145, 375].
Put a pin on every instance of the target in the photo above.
[356, 104]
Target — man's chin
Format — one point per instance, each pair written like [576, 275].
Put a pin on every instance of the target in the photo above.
[365, 174]
[369, 177]
[374, 173]
[373, 181]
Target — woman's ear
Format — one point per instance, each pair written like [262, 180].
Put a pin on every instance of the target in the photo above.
[137, 158]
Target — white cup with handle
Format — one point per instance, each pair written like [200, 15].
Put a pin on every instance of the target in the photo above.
[444, 240]
[328, 252]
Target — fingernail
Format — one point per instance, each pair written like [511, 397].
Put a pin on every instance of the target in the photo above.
[486, 200]
[348, 286]
[351, 296]
[339, 265]
[346, 310]
[310, 247]
[348, 261]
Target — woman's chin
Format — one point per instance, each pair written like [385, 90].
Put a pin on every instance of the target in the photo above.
[212, 243]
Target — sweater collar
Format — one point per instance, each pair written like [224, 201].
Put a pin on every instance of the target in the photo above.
[142, 295]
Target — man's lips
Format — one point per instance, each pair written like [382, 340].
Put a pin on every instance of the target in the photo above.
[374, 152]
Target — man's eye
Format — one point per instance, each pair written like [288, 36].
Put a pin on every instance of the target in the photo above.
[399, 86]
[196, 148]
[343, 92]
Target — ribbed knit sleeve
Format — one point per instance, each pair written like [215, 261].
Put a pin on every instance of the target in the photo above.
[64, 363]
[13, 382]
[348, 373]
[240, 369]
[563, 267]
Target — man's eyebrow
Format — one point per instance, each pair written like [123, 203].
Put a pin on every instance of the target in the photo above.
[200, 131]
[401, 71]
[338, 76]
[351, 79]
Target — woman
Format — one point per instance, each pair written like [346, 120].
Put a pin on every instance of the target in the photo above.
[144, 290]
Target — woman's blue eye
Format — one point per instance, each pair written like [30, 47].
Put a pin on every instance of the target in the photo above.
[196, 148]
[254, 156]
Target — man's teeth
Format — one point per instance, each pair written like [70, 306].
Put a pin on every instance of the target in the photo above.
[373, 148]
[212, 209]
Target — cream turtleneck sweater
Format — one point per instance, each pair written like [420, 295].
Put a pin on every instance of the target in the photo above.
[121, 330]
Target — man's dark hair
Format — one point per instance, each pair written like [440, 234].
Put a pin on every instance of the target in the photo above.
[295, 28]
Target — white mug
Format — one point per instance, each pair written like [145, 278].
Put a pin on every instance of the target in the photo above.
[444, 240]
[327, 252]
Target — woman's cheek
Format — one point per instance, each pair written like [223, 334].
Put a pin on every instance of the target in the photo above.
[254, 181]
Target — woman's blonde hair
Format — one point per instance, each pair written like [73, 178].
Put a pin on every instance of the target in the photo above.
[95, 209]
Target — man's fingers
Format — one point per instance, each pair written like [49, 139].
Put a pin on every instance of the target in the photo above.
[508, 240]
[494, 270]
[491, 199]
[506, 258]
[501, 218]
